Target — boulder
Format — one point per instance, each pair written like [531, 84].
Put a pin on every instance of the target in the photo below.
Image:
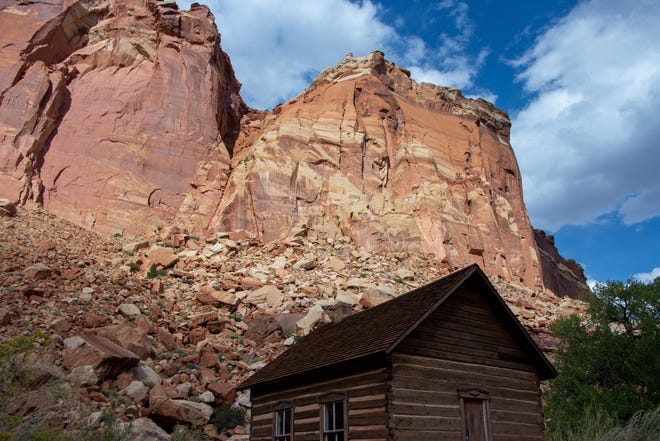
[38, 271]
[170, 412]
[142, 372]
[143, 429]
[209, 296]
[83, 376]
[7, 208]
[263, 329]
[268, 295]
[131, 337]
[136, 391]
[374, 296]
[163, 257]
[107, 358]
[129, 310]
[316, 314]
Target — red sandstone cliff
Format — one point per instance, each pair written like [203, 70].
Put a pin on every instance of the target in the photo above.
[110, 107]
[124, 115]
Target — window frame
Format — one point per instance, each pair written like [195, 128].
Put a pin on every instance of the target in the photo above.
[476, 395]
[332, 399]
[280, 412]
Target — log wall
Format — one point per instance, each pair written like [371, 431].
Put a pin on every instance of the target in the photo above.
[462, 345]
[366, 407]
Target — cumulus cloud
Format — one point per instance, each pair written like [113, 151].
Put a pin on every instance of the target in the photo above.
[451, 63]
[587, 142]
[278, 46]
[648, 277]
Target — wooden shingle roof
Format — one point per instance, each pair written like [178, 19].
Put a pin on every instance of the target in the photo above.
[379, 330]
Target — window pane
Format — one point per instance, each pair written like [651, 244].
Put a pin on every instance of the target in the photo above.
[283, 423]
[333, 421]
[327, 419]
[339, 416]
[287, 421]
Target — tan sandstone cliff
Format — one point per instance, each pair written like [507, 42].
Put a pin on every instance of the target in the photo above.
[125, 115]
[366, 152]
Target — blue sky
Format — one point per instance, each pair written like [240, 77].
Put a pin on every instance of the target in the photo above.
[580, 80]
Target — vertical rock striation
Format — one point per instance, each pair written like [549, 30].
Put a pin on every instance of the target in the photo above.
[111, 109]
[366, 152]
[125, 115]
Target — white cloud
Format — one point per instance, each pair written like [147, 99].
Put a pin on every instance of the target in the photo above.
[592, 284]
[450, 64]
[587, 142]
[278, 46]
[648, 277]
[640, 207]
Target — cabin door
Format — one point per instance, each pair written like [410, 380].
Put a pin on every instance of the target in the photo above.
[475, 409]
[475, 420]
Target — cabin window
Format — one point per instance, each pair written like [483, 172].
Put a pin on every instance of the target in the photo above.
[333, 417]
[283, 421]
[475, 414]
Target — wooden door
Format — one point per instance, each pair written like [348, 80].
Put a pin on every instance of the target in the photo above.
[475, 420]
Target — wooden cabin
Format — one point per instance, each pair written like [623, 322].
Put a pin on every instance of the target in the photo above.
[447, 361]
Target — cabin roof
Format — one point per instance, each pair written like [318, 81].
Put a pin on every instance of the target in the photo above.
[378, 330]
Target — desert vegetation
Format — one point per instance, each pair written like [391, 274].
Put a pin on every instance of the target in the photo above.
[608, 387]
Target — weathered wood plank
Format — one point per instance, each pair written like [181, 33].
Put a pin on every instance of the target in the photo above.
[369, 433]
[421, 435]
[461, 366]
[507, 437]
[370, 377]
[373, 402]
[446, 398]
[311, 397]
[472, 348]
[307, 427]
[409, 422]
[439, 376]
[425, 409]
[368, 419]
[421, 384]
[450, 354]
[469, 343]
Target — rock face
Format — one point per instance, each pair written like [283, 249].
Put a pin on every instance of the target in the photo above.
[561, 276]
[113, 112]
[125, 116]
[366, 152]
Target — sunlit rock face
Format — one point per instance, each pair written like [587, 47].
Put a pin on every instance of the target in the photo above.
[113, 112]
[125, 116]
[366, 152]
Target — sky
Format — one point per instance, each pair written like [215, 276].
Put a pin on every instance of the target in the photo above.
[579, 79]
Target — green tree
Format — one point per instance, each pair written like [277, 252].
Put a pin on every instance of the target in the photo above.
[608, 362]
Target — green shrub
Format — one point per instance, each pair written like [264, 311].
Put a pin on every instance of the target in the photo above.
[133, 266]
[227, 417]
[155, 272]
[608, 362]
